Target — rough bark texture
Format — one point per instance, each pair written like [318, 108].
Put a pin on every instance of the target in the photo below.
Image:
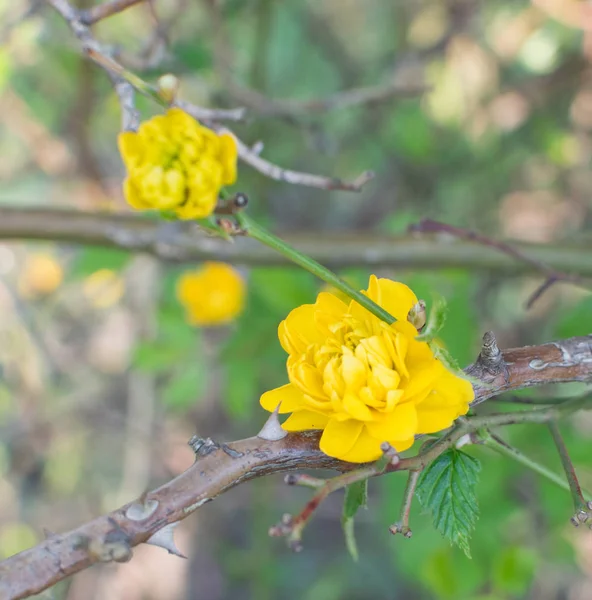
[219, 467]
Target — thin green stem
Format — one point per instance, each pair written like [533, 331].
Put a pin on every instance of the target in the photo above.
[495, 443]
[402, 525]
[570, 473]
[255, 231]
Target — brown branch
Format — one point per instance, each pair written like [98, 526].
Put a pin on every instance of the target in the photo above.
[107, 9]
[187, 243]
[220, 467]
[552, 276]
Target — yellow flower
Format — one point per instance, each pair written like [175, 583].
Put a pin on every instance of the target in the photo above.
[176, 164]
[362, 381]
[211, 295]
[41, 275]
[104, 288]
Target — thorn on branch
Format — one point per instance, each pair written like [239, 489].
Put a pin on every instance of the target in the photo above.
[164, 538]
[272, 430]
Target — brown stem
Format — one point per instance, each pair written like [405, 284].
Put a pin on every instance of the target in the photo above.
[430, 226]
[402, 525]
[186, 243]
[220, 467]
[570, 472]
[107, 9]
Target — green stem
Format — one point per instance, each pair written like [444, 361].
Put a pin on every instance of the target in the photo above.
[260, 234]
[570, 473]
[501, 447]
[402, 525]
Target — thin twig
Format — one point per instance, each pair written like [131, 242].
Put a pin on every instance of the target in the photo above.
[107, 9]
[430, 226]
[402, 525]
[99, 55]
[495, 443]
[292, 527]
[570, 472]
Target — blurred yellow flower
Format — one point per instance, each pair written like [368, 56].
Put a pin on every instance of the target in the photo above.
[211, 295]
[362, 381]
[176, 164]
[41, 275]
[103, 288]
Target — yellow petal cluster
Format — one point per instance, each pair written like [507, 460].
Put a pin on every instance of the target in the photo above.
[176, 164]
[211, 295]
[362, 381]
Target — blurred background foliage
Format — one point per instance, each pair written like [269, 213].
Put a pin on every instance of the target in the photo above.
[103, 381]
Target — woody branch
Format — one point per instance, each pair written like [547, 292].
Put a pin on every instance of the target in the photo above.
[220, 467]
[186, 243]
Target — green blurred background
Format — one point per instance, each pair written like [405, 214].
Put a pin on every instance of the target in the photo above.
[103, 382]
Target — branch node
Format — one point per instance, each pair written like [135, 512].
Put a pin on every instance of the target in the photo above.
[202, 447]
[142, 509]
[390, 454]
[304, 480]
[398, 527]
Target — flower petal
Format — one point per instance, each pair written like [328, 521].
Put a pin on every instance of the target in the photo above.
[228, 156]
[365, 449]
[339, 437]
[395, 297]
[289, 395]
[131, 148]
[301, 329]
[401, 424]
[401, 445]
[356, 408]
[301, 420]
[353, 372]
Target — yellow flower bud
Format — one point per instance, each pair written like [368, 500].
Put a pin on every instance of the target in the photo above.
[361, 380]
[176, 164]
[211, 295]
[167, 86]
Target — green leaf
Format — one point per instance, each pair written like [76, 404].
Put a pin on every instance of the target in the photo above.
[447, 489]
[436, 320]
[356, 496]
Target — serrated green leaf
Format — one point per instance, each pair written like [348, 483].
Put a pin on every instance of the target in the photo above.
[446, 488]
[356, 496]
[436, 320]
